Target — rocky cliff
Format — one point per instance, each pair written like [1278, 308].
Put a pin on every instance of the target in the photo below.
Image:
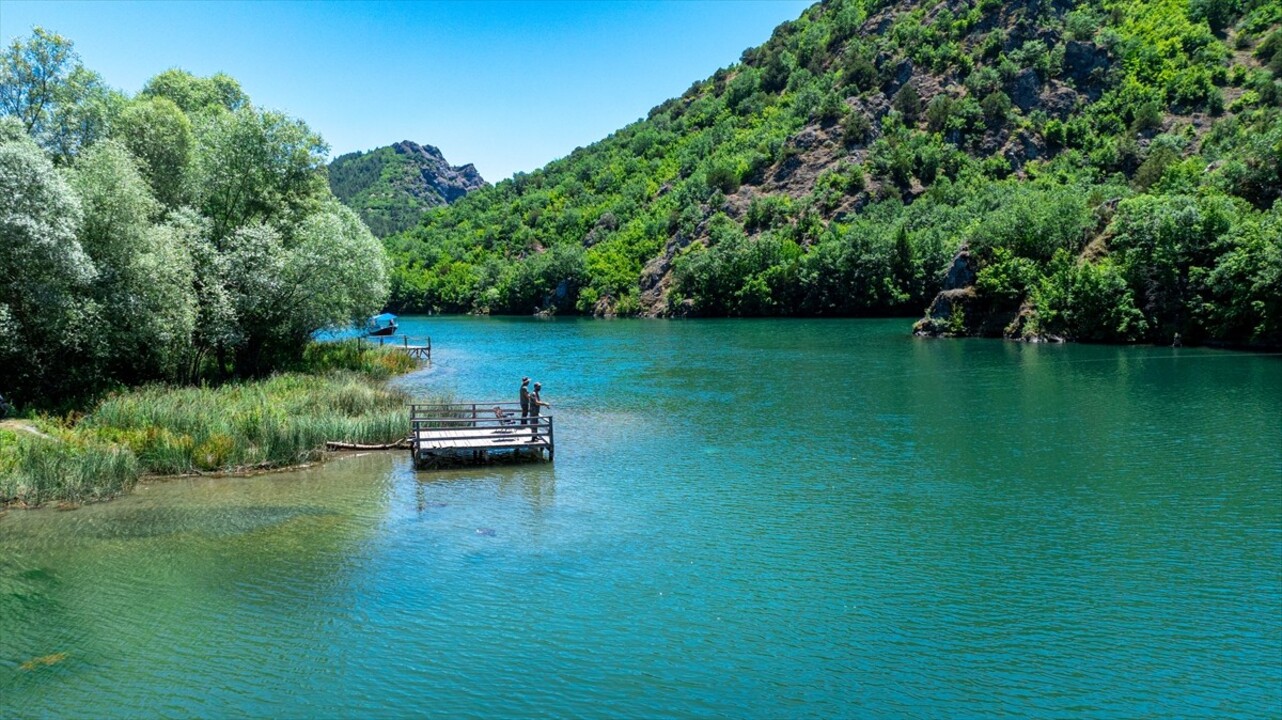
[392, 186]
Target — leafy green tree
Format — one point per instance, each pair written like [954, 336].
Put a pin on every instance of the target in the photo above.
[1088, 302]
[332, 274]
[908, 102]
[64, 106]
[254, 166]
[996, 106]
[939, 112]
[256, 266]
[856, 128]
[159, 135]
[216, 330]
[31, 73]
[46, 313]
[337, 271]
[1166, 245]
[1006, 278]
[194, 94]
[147, 305]
[1241, 292]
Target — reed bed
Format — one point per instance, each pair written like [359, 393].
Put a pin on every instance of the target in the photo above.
[376, 362]
[64, 467]
[283, 420]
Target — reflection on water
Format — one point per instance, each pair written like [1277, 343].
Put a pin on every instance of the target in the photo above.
[744, 519]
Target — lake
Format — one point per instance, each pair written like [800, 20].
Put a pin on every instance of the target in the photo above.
[745, 519]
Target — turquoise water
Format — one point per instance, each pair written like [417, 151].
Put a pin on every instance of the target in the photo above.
[747, 519]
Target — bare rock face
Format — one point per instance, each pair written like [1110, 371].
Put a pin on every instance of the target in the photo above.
[1026, 90]
[1082, 60]
[899, 76]
[656, 276]
[1022, 147]
[961, 273]
[1059, 101]
[948, 314]
[448, 182]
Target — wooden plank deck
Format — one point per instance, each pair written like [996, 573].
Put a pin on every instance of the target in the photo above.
[475, 432]
[479, 439]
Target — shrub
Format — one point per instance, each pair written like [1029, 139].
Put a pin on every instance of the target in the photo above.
[996, 107]
[1088, 302]
[908, 102]
[856, 128]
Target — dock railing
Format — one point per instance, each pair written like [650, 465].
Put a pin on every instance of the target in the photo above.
[475, 428]
[421, 347]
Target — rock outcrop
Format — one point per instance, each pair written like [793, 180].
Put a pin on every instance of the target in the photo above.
[438, 178]
[391, 187]
[951, 312]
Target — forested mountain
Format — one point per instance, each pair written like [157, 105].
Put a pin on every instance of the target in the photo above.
[1110, 166]
[391, 186]
[180, 235]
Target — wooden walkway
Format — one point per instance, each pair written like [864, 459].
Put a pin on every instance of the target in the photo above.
[475, 433]
[420, 352]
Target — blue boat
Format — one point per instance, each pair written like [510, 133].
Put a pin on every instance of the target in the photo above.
[384, 324]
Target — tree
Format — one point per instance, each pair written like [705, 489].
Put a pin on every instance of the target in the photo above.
[159, 135]
[255, 261]
[908, 102]
[1089, 302]
[196, 94]
[144, 287]
[31, 72]
[332, 274]
[255, 166]
[60, 104]
[337, 271]
[46, 314]
[216, 330]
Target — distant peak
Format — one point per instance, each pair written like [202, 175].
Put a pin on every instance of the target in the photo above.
[409, 147]
[391, 189]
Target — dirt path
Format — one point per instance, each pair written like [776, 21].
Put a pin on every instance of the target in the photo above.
[22, 426]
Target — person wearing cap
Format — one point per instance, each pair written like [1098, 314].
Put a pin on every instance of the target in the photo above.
[536, 402]
[525, 400]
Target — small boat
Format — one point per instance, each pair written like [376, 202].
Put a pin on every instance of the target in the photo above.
[384, 324]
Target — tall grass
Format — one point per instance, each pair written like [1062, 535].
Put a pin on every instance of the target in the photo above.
[282, 420]
[376, 362]
[67, 466]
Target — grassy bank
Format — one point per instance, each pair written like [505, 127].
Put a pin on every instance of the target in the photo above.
[339, 393]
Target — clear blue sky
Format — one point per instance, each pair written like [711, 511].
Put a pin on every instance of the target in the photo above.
[508, 86]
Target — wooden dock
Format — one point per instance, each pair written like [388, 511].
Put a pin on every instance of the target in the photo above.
[400, 342]
[475, 433]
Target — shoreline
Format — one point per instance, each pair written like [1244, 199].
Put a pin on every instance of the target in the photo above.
[283, 422]
[160, 479]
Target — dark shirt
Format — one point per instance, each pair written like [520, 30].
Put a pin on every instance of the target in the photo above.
[534, 403]
[525, 398]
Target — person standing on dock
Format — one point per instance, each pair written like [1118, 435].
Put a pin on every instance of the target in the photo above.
[536, 402]
[525, 401]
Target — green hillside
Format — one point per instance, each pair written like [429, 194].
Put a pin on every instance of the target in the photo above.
[1112, 167]
[390, 187]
